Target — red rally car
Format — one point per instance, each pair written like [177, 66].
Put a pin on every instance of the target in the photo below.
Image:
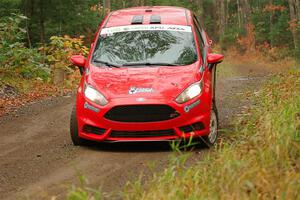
[149, 76]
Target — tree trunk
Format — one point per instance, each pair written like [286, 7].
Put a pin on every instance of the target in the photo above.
[294, 19]
[41, 22]
[59, 76]
[201, 11]
[239, 13]
[245, 13]
[222, 18]
[271, 22]
[28, 13]
[227, 12]
[297, 6]
[107, 5]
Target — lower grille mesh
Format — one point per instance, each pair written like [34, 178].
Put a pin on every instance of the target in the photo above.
[142, 134]
[141, 113]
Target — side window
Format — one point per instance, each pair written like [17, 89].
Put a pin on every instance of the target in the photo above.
[198, 23]
[201, 41]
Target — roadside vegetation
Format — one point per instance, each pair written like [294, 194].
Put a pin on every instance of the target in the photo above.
[258, 159]
[28, 74]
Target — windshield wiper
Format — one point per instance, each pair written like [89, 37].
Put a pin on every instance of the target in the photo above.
[108, 64]
[150, 64]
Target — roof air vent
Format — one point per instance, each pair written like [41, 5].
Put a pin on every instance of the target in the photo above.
[155, 19]
[137, 19]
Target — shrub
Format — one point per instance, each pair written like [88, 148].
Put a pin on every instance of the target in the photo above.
[14, 55]
[60, 49]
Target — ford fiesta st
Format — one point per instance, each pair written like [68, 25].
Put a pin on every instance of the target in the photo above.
[149, 76]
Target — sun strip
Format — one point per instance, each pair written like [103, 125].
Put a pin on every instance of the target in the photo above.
[155, 27]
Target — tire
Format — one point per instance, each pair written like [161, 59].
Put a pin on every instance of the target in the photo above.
[77, 141]
[212, 137]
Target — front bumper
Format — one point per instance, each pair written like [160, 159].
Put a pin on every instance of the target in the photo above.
[177, 128]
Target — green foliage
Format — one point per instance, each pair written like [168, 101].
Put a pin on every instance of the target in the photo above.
[82, 17]
[228, 39]
[83, 192]
[279, 35]
[297, 51]
[13, 53]
[34, 62]
[262, 26]
[56, 17]
[60, 49]
[9, 6]
[10, 30]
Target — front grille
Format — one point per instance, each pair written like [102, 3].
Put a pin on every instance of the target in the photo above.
[93, 129]
[190, 128]
[142, 134]
[141, 113]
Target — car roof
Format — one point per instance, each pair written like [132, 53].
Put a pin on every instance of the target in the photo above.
[168, 15]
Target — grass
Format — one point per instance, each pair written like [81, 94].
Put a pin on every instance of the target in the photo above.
[236, 64]
[260, 159]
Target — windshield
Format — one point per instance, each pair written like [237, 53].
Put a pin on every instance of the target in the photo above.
[141, 45]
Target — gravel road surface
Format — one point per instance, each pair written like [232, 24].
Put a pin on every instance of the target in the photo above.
[37, 159]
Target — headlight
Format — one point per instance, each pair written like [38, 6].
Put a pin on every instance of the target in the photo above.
[191, 92]
[95, 96]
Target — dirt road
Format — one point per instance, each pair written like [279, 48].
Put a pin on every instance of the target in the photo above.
[37, 159]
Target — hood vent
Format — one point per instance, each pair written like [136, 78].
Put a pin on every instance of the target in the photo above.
[155, 19]
[137, 19]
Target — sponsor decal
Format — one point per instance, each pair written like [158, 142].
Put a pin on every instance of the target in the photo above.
[90, 107]
[187, 108]
[135, 90]
[153, 27]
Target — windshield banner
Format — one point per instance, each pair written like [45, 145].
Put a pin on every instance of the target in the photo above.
[151, 27]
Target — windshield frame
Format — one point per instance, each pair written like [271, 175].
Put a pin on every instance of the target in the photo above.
[193, 38]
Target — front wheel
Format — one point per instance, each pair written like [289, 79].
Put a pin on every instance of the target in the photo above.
[212, 137]
[77, 141]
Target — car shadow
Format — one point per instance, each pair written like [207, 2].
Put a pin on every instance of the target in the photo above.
[138, 147]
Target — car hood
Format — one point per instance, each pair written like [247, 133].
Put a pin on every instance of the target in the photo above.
[156, 82]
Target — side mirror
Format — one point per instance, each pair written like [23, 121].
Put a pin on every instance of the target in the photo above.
[78, 60]
[213, 58]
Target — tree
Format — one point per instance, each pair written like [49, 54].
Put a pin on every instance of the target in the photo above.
[274, 22]
[48, 18]
[107, 5]
[222, 20]
[245, 13]
[294, 23]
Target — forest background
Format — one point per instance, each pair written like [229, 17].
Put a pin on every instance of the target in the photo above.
[37, 37]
